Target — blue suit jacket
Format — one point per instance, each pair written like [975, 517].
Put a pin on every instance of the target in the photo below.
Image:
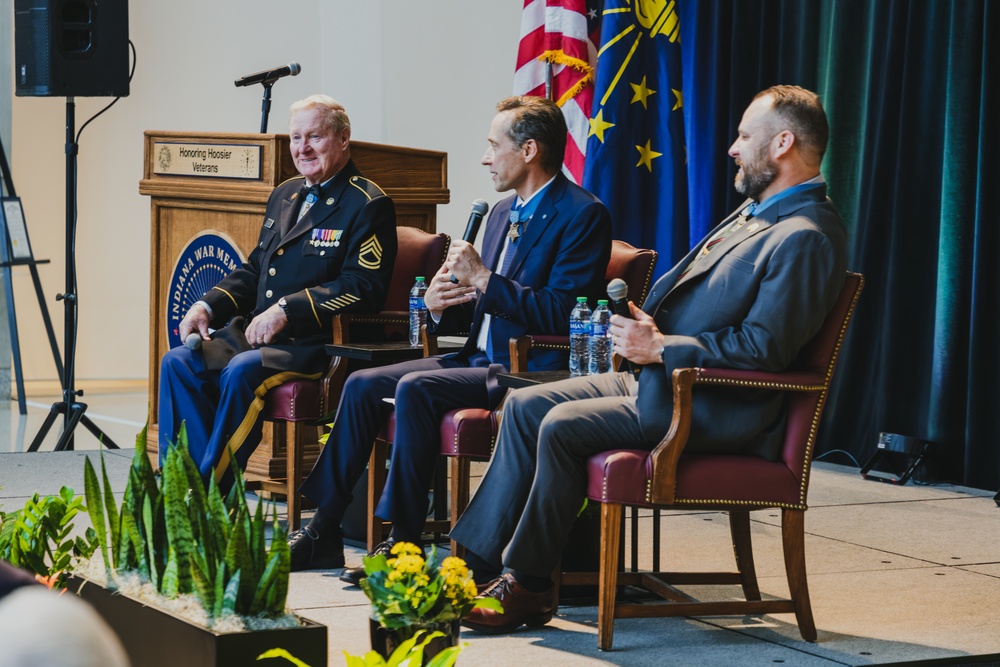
[563, 254]
[752, 303]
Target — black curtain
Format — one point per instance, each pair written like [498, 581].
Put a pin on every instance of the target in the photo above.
[913, 106]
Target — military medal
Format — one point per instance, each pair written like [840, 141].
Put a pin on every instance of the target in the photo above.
[515, 219]
[324, 238]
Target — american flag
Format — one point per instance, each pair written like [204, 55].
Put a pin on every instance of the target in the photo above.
[563, 33]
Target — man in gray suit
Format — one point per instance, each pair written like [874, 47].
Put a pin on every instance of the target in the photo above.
[749, 296]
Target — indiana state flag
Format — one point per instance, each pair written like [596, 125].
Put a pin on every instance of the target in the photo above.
[635, 151]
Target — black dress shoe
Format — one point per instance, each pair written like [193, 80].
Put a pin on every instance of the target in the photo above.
[312, 552]
[354, 575]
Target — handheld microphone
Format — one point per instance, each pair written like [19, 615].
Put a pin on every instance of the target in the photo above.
[618, 293]
[193, 341]
[269, 75]
[479, 209]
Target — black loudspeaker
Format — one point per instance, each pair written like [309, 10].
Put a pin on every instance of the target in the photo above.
[71, 48]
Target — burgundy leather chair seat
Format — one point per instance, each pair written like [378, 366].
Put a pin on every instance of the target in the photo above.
[626, 476]
[469, 432]
[294, 401]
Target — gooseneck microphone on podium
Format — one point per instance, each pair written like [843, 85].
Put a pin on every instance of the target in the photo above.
[267, 79]
[269, 75]
[618, 293]
[479, 209]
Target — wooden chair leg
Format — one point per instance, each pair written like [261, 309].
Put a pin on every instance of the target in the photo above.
[295, 443]
[793, 541]
[376, 483]
[739, 527]
[611, 519]
[460, 471]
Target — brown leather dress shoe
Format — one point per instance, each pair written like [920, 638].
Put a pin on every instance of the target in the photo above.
[520, 607]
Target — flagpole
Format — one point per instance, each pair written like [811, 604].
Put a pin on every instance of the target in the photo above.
[549, 93]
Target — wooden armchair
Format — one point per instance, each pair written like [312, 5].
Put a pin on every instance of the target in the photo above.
[470, 434]
[300, 404]
[667, 478]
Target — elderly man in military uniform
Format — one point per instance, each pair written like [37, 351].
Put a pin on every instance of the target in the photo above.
[327, 245]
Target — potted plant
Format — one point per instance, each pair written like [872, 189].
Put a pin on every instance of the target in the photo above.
[38, 537]
[186, 577]
[410, 594]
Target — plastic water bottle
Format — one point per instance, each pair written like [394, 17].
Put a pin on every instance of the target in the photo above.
[599, 351]
[418, 311]
[579, 332]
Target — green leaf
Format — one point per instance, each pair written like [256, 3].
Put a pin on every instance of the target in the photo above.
[231, 595]
[179, 534]
[95, 508]
[147, 519]
[109, 502]
[282, 653]
[169, 583]
[446, 658]
[204, 588]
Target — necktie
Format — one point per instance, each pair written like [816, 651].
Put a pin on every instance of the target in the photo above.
[516, 230]
[309, 196]
[721, 236]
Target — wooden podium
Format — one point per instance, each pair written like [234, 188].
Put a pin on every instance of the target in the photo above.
[217, 184]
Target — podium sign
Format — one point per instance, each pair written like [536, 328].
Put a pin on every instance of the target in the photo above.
[206, 188]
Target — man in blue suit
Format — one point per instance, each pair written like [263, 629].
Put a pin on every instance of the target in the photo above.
[543, 246]
[749, 296]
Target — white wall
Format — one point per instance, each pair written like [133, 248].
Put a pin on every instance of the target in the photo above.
[422, 73]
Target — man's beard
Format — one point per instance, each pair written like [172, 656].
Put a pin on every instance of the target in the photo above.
[757, 176]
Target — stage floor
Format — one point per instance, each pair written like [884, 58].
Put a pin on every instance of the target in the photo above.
[896, 573]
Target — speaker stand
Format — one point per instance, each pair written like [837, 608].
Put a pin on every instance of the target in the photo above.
[72, 410]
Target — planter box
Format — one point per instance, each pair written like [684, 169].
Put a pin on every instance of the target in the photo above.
[155, 638]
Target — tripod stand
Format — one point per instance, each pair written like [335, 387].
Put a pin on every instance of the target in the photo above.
[72, 409]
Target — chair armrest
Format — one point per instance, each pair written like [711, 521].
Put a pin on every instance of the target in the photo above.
[521, 345]
[801, 381]
[665, 456]
[430, 342]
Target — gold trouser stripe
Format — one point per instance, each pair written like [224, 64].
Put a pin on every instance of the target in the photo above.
[237, 439]
[229, 295]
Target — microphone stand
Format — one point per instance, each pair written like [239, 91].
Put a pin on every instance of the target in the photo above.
[265, 105]
[69, 406]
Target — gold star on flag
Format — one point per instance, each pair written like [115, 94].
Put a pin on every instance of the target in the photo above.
[598, 125]
[646, 156]
[641, 92]
[680, 99]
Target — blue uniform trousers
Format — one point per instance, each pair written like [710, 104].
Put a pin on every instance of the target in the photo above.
[221, 409]
[423, 391]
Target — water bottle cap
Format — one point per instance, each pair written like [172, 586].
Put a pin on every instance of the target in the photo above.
[602, 302]
[420, 279]
[581, 299]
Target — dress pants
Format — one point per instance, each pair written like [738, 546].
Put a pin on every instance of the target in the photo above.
[524, 509]
[423, 391]
[221, 409]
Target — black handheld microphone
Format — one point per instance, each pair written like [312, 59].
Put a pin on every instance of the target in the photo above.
[618, 292]
[479, 209]
[269, 75]
[193, 341]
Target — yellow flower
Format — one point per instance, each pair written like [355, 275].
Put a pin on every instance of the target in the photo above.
[408, 564]
[407, 548]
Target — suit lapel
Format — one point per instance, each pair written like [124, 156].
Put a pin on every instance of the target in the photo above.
[540, 220]
[289, 207]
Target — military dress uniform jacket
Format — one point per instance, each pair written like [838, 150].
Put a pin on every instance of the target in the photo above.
[338, 258]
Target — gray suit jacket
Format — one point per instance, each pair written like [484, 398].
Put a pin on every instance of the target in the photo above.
[751, 303]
